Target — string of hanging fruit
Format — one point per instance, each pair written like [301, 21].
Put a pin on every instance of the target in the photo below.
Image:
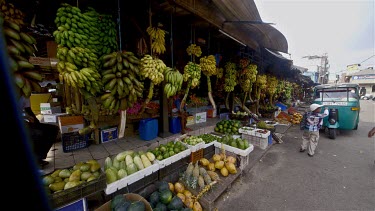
[192, 72]
[260, 86]
[20, 46]
[230, 80]
[208, 66]
[247, 77]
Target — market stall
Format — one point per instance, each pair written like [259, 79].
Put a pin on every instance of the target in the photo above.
[110, 88]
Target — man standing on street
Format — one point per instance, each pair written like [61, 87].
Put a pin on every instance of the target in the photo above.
[311, 124]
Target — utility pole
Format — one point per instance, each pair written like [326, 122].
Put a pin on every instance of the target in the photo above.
[323, 72]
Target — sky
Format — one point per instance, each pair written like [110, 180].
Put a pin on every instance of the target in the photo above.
[343, 29]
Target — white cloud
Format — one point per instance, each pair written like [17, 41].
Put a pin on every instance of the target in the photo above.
[342, 29]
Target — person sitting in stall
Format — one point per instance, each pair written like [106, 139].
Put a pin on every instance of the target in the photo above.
[42, 135]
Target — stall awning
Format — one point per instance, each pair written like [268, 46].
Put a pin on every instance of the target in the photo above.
[240, 19]
[277, 54]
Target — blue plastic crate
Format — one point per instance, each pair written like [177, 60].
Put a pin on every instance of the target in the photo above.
[148, 129]
[73, 141]
[174, 125]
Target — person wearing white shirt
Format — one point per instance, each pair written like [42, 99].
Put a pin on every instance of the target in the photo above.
[311, 124]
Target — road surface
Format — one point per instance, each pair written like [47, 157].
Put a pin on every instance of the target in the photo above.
[341, 175]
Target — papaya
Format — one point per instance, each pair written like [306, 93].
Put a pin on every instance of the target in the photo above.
[57, 186]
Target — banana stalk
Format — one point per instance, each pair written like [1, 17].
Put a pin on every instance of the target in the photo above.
[77, 99]
[183, 101]
[68, 99]
[149, 97]
[227, 101]
[244, 99]
[236, 100]
[210, 93]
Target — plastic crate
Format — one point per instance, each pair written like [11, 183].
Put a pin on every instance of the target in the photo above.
[74, 141]
[241, 161]
[68, 196]
[197, 155]
[257, 141]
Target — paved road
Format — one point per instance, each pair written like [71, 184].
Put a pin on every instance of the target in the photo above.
[341, 175]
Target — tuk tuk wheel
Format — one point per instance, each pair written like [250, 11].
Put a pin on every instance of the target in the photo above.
[356, 127]
[332, 133]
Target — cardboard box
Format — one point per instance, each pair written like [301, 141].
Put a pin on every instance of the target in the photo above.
[211, 113]
[51, 49]
[130, 197]
[190, 120]
[45, 108]
[109, 134]
[52, 117]
[201, 117]
[69, 124]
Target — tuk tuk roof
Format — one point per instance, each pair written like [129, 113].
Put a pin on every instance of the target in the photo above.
[330, 86]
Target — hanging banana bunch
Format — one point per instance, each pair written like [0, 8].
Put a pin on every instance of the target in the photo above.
[230, 76]
[208, 66]
[121, 80]
[9, 12]
[173, 81]
[230, 80]
[20, 47]
[194, 50]
[87, 30]
[271, 87]
[192, 71]
[247, 77]
[152, 68]
[260, 86]
[157, 36]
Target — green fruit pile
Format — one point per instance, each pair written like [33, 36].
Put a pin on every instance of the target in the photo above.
[235, 142]
[62, 179]
[167, 150]
[228, 126]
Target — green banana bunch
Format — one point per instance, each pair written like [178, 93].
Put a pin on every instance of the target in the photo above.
[20, 47]
[192, 72]
[152, 68]
[208, 65]
[173, 79]
[81, 57]
[87, 30]
[230, 77]
[120, 78]
[247, 77]
[86, 78]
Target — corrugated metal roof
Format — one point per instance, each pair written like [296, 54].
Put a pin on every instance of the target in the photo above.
[240, 19]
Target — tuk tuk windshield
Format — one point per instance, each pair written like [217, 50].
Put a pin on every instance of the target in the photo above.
[342, 94]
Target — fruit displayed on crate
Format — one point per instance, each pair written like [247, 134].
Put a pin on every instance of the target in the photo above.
[228, 126]
[207, 138]
[126, 163]
[192, 140]
[129, 201]
[296, 118]
[264, 125]
[239, 143]
[166, 198]
[63, 179]
[239, 115]
[164, 151]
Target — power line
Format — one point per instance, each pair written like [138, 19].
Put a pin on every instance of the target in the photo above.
[367, 59]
